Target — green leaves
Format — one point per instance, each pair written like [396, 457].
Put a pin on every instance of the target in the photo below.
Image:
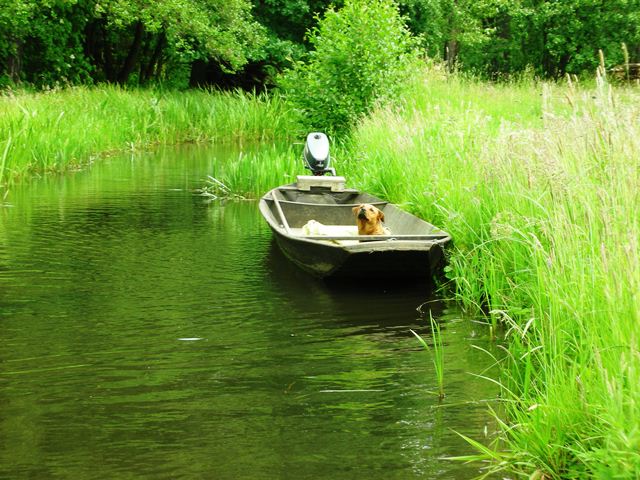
[52, 42]
[362, 52]
[359, 53]
[220, 29]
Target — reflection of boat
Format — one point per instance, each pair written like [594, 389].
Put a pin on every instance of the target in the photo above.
[414, 249]
[390, 306]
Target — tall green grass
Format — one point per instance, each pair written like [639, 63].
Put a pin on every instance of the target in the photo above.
[539, 186]
[255, 172]
[436, 351]
[62, 129]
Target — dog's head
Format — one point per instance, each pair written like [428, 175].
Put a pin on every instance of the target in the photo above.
[369, 219]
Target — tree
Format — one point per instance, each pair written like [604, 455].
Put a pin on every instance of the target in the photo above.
[45, 42]
[14, 22]
[291, 19]
[286, 23]
[361, 54]
[141, 34]
[110, 40]
[426, 19]
[574, 31]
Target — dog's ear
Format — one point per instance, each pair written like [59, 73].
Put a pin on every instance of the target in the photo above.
[381, 215]
[356, 208]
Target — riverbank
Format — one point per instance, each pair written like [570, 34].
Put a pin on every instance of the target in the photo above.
[538, 185]
[536, 182]
[65, 129]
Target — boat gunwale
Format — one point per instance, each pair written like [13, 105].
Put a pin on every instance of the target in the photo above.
[422, 241]
[435, 238]
[350, 205]
[368, 245]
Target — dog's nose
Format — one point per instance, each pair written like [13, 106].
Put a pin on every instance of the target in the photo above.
[362, 213]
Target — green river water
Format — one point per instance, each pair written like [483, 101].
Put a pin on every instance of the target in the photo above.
[148, 334]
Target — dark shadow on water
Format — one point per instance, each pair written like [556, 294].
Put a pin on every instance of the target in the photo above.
[287, 272]
[368, 305]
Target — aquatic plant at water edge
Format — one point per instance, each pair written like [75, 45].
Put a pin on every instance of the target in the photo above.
[214, 189]
[537, 184]
[3, 163]
[253, 173]
[437, 353]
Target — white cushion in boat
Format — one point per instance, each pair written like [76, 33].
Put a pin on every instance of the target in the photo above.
[314, 228]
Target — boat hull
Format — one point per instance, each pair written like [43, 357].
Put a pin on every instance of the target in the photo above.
[415, 251]
[394, 264]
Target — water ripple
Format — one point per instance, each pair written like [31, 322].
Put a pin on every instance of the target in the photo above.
[149, 335]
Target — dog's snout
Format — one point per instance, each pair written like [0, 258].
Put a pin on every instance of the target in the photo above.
[362, 213]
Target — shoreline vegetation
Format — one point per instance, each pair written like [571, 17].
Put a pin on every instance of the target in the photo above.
[538, 185]
[537, 182]
[65, 129]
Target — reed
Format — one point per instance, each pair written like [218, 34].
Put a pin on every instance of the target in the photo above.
[437, 353]
[537, 183]
[625, 55]
[62, 129]
[254, 172]
[3, 162]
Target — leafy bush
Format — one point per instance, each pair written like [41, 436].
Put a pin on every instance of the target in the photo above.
[362, 52]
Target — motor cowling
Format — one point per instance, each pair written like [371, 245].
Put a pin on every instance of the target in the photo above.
[316, 154]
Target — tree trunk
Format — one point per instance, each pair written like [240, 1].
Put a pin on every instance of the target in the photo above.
[451, 54]
[145, 53]
[452, 45]
[91, 43]
[132, 57]
[107, 56]
[155, 57]
[14, 62]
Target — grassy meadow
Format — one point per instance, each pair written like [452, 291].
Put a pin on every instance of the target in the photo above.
[537, 183]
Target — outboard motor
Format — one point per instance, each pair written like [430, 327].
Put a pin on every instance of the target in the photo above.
[316, 154]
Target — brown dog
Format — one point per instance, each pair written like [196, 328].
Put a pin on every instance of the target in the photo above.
[369, 220]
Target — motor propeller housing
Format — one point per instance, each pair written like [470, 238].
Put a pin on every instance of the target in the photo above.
[316, 154]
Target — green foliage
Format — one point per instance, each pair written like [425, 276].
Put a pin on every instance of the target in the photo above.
[54, 50]
[50, 42]
[286, 23]
[550, 37]
[14, 24]
[361, 55]
[291, 19]
[118, 40]
[44, 39]
[427, 20]
[538, 185]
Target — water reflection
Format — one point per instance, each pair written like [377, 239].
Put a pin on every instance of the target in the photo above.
[102, 274]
